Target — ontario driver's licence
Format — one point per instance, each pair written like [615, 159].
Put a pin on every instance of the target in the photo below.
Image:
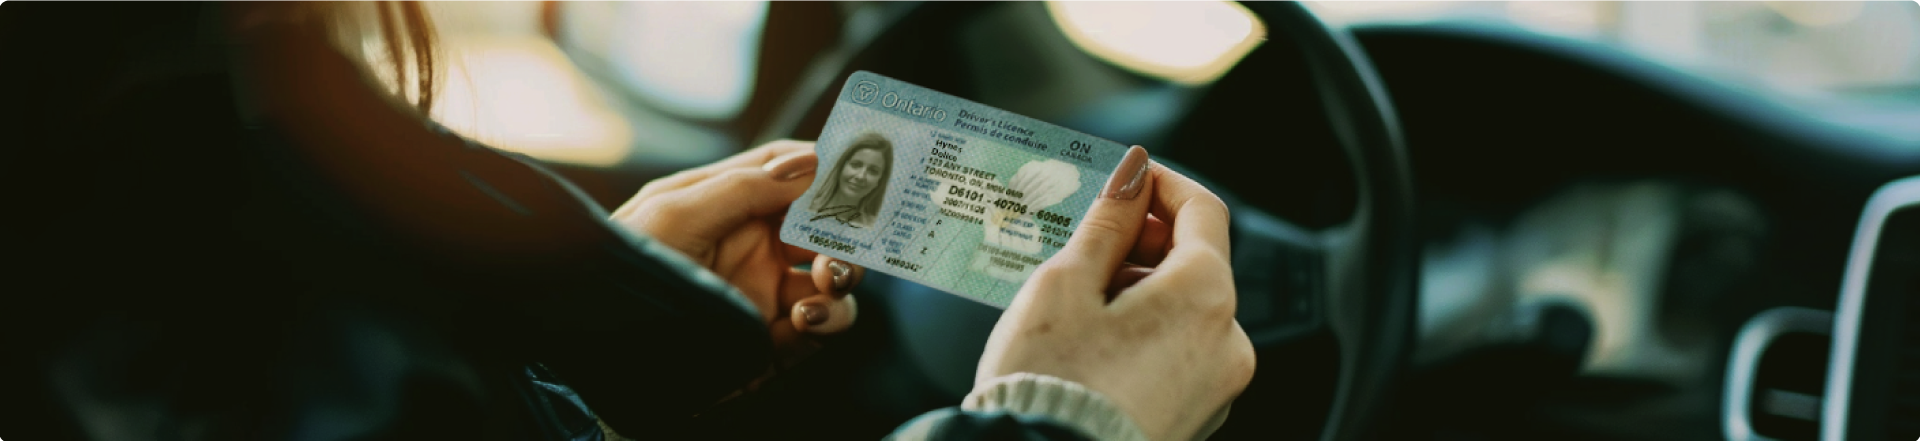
[945, 192]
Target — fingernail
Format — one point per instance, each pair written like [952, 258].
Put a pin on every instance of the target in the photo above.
[841, 273]
[1130, 176]
[815, 315]
[789, 167]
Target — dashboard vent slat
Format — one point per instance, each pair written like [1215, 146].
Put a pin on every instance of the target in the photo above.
[1896, 262]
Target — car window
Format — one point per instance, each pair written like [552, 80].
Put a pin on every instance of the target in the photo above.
[1797, 48]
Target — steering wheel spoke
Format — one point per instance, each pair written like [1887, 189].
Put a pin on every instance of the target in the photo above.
[1352, 281]
[1280, 274]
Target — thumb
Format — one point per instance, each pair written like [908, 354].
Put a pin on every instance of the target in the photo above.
[1111, 225]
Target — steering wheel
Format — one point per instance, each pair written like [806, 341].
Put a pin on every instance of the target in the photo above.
[1354, 282]
[1346, 291]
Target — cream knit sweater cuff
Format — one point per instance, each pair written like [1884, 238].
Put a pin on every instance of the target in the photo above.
[1061, 400]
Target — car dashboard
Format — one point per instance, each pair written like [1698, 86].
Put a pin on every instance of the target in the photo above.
[1738, 201]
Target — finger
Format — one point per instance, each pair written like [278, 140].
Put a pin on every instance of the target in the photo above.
[755, 157]
[1110, 226]
[764, 153]
[795, 285]
[1156, 237]
[752, 158]
[825, 314]
[1196, 273]
[1199, 220]
[720, 204]
[763, 157]
[835, 276]
[1126, 277]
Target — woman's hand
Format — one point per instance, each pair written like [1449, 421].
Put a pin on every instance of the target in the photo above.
[1138, 308]
[727, 216]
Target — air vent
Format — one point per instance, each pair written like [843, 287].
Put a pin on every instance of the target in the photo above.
[1789, 386]
[1776, 376]
[1874, 381]
[1896, 275]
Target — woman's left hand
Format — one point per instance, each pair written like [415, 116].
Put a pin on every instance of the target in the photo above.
[726, 216]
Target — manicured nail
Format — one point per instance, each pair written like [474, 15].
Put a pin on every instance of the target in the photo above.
[815, 315]
[792, 166]
[842, 274]
[1130, 176]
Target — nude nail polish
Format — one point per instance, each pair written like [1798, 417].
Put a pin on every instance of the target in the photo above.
[815, 315]
[1130, 176]
[841, 274]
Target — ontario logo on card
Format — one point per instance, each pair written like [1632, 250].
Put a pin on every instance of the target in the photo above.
[864, 92]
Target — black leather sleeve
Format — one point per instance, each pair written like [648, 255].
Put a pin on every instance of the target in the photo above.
[952, 424]
[645, 336]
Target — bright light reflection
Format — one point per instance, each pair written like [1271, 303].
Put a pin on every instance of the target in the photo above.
[1578, 18]
[1843, 44]
[534, 102]
[1347, 12]
[1186, 42]
[1673, 32]
[1819, 46]
[1817, 14]
[697, 59]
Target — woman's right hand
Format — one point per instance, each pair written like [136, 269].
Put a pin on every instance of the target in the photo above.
[1138, 308]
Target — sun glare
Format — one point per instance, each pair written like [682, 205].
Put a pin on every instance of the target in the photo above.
[1186, 42]
[534, 102]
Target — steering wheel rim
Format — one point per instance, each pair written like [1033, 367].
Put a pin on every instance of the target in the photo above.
[1367, 266]
[1371, 272]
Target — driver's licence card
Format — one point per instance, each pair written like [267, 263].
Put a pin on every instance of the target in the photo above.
[945, 192]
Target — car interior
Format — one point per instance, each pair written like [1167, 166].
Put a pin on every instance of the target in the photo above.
[1451, 220]
[1596, 227]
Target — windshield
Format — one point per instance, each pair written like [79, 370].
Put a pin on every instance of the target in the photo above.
[674, 84]
[1799, 48]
